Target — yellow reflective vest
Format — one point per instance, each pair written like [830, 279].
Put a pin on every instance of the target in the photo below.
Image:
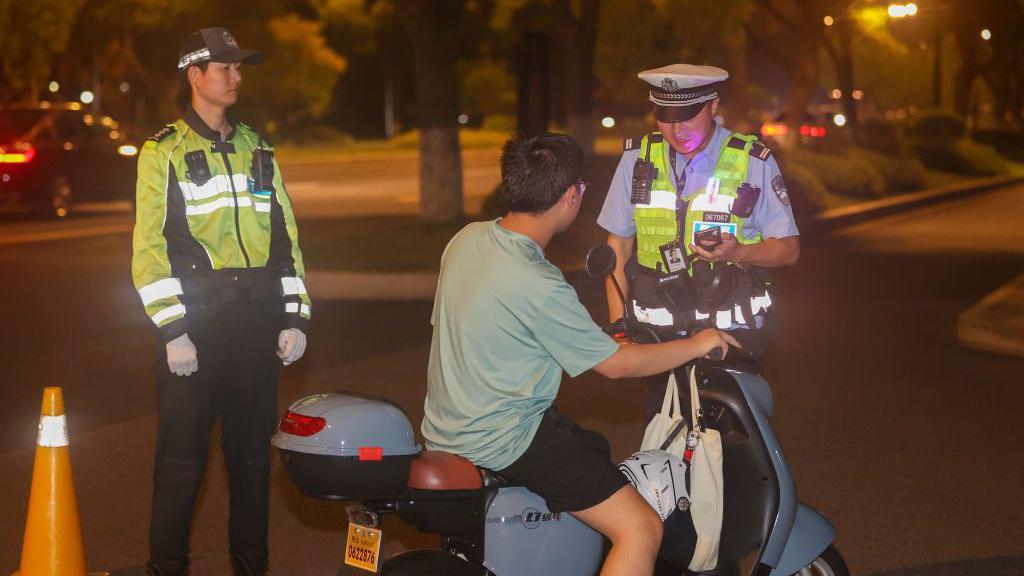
[202, 207]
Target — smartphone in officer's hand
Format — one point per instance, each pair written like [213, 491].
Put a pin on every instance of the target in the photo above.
[709, 238]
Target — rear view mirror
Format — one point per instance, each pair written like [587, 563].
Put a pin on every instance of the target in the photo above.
[600, 261]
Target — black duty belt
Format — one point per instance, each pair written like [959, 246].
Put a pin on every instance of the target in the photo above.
[235, 285]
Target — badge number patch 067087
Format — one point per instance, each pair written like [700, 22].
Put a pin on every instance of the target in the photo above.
[362, 547]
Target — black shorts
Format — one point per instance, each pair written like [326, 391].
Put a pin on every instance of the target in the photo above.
[569, 467]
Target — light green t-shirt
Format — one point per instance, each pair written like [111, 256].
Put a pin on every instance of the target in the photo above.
[506, 324]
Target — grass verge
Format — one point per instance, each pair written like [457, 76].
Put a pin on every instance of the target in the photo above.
[375, 243]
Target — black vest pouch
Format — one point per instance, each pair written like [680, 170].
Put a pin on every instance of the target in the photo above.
[263, 171]
[746, 199]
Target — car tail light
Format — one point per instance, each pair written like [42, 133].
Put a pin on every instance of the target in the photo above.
[301, 425]
[812, 131]
[19, 153]
[774, 129]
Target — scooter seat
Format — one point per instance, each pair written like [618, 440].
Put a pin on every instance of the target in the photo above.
[443, 471]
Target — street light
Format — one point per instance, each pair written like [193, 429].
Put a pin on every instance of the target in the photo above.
[902, 10]
[608, 122]
[986, 34]
[86, 97]
[54, 86]
[839, 119]
[829, 20]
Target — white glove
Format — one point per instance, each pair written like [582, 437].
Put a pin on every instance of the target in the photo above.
[181, 356]
[291, 344]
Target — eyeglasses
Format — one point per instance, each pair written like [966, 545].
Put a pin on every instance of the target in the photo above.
[581, 186]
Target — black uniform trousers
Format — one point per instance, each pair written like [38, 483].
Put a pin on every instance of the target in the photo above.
[237, 384]
[752, 341]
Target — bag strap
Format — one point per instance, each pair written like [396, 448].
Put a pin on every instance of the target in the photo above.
[678, 429]
[696, 412]
[671, 400]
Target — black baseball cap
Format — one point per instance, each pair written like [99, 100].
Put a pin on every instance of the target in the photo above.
[214, 45]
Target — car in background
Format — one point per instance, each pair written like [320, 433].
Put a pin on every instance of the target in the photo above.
[54, 155]
[812, 127]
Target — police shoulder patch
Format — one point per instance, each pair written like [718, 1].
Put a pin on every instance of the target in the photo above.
[631, 144]
[760, 151]
[779, 187]
[162, 133]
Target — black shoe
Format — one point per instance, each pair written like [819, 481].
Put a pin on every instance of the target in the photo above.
[248, 567]
[167, 568]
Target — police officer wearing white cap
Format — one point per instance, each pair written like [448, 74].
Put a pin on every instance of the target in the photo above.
[696, 214]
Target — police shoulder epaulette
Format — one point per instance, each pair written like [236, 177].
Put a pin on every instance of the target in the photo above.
[736, 142]
[162, 133]
[631, 144]
[760, 151]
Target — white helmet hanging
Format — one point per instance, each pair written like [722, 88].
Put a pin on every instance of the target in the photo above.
[660, 478]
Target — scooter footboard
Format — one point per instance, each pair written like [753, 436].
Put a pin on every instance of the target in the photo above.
[811, 535]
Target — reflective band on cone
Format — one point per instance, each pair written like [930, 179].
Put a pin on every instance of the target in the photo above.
[53, 431]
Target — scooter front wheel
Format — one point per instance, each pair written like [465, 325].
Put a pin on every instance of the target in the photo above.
[429, 563]
[830, 563]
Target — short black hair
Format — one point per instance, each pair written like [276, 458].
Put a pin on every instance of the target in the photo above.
[185, 92]
[536, 171]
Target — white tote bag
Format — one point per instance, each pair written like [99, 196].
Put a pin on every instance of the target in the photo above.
[667, 430]
[706, 488]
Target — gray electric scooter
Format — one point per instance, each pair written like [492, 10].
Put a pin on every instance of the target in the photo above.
[345, 446]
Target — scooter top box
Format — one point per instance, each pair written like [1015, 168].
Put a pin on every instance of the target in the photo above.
[345, 446]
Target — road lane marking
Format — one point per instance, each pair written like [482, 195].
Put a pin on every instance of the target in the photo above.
[65, 234]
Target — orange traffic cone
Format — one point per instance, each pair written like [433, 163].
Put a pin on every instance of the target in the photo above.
[53, 536]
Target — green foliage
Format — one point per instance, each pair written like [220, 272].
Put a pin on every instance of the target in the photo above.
[807, 193]
[1009, 143]
[487, 89]
[295, 81]
[635, 35]
[933, 125]
[902, 174]
[883, 137]
[31, 33]
[961, 157]
[844, 174]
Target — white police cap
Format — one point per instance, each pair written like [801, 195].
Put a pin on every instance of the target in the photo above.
[680, 91]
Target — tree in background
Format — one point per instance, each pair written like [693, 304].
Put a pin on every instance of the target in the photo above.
[296, 80]
[433, 28]
[575, 36]
[639, 35]
[31, 33]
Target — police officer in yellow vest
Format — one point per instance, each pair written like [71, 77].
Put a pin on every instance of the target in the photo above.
[217, 265]
[696, 214]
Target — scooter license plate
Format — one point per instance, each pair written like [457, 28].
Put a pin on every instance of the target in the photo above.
[362, 547]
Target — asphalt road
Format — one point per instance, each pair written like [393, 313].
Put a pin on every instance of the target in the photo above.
[908, 442]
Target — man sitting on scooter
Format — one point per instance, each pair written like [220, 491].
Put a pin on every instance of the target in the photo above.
[506, 325]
